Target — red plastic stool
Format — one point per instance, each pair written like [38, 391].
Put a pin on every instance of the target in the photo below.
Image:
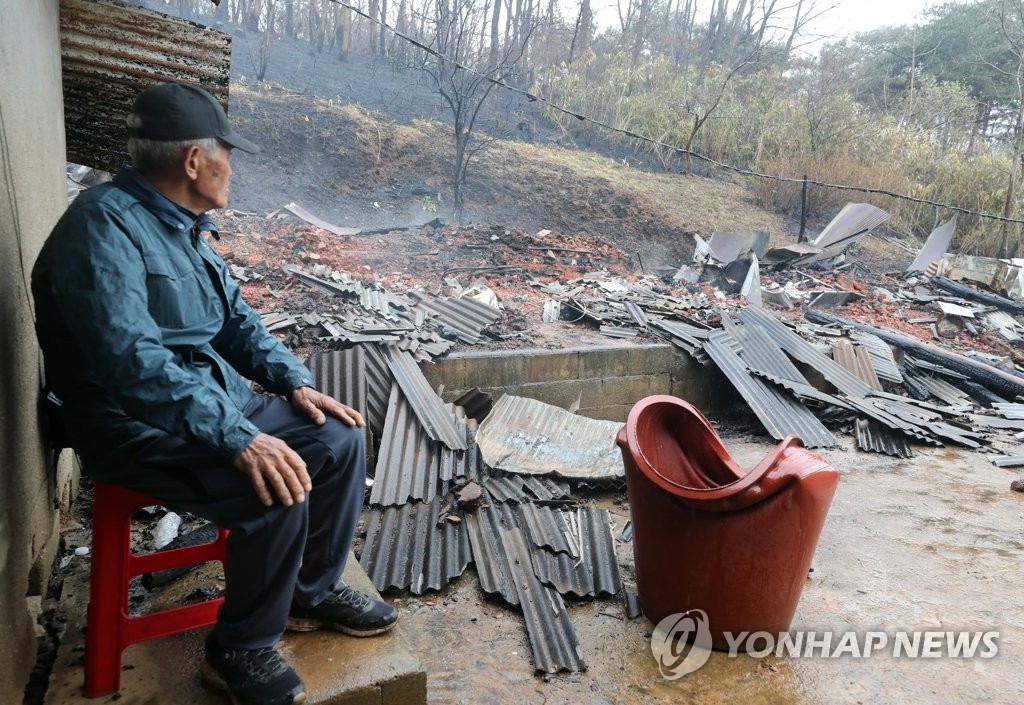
[110, 629]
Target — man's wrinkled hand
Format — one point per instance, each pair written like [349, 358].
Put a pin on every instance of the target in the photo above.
[270, 464]
[316, 405]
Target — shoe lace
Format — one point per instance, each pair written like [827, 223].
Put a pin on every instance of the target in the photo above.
[266, 662]
[351, 596]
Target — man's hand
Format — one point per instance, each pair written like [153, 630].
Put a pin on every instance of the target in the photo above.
[315, 405]
[269, 461]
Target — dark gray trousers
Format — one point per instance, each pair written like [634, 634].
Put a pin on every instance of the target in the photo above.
[274, 554]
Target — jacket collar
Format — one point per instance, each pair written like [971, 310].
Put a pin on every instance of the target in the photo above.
[135, 184]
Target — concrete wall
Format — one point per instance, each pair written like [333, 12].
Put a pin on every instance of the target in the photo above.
[32, 197]
[606, 380]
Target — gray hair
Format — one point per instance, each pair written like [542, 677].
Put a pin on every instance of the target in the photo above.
[155, 155]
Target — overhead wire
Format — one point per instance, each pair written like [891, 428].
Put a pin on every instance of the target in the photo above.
[675, 148]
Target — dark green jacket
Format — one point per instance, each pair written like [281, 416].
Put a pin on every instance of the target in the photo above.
[141, 326]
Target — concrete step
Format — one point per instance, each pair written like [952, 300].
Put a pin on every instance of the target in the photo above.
[337, 669]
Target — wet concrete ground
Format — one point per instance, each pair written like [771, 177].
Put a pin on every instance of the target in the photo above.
[931, 543]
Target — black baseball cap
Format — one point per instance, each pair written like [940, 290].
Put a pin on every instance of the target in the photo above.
[172, 112]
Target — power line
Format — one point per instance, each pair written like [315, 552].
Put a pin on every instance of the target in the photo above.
[675, 148]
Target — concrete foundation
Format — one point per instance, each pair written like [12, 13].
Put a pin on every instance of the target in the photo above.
[607, 381]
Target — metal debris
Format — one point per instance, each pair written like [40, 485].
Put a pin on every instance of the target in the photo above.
[526, 436]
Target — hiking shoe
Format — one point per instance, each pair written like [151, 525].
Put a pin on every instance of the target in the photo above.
[251, 677]
[348, 611]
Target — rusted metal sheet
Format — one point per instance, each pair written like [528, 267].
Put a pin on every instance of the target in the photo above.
[527, 436]
[405, 548]
[109, 53]
[882, 359]
[857, 360]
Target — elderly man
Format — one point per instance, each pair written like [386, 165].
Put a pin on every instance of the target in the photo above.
[146, 340]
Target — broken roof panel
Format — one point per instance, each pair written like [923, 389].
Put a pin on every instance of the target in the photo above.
[851, 223]
[553, 641]
[779, 413]
[484, 527]
[759, 351]
[527, 436]
[340, 375]
[436, 419]
[798, 348]
[408, 463]
[882, 358]
[406, 549]
[466, 316]
[935, 246]
[726, 247]
[857, 360]
[595, 571]
[874, 437]
[297, 210]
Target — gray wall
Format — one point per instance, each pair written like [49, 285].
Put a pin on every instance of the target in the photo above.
[32, 197]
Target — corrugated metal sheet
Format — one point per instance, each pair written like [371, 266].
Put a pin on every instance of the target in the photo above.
[779, 413]
[492, 568]
[944, 391]
[505, 489]
[527, 436]
[854, 221]
[340, 374]
[525, 488]
[798, 348]
[689, 338]
[935, 246]
[858, 361]
[595, 571]
[636, 313]
[546, 528]
[408, 463]
[545, 488]
[435, 418]
[759, 351]
[1010, 411]
[882, 358]
[872, 436]
[553, 641]
[406, 549]
[110, 53]
[466, 316]
[378, 387]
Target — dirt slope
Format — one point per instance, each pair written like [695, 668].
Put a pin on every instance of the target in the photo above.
[356, 169]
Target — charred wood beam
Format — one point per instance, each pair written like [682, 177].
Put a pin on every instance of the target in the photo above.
[967, 292]
[1006, 384]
